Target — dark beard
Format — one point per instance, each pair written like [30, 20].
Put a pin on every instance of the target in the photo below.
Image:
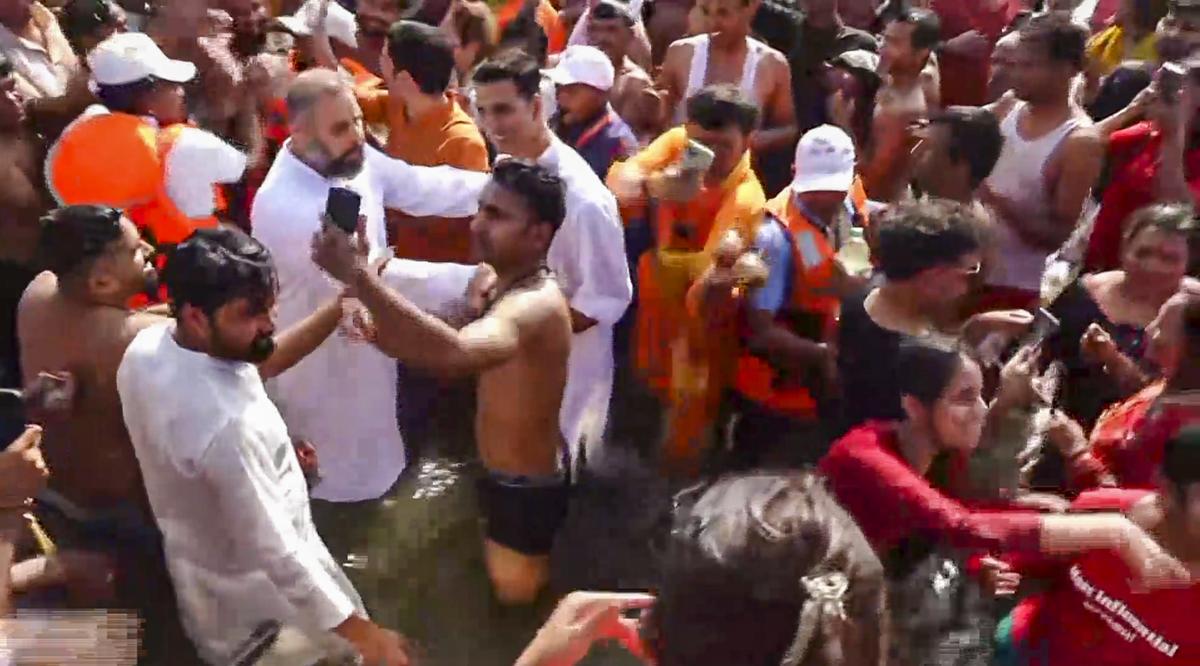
[261, 348]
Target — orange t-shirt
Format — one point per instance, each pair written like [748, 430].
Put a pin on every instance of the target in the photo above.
[444, 135]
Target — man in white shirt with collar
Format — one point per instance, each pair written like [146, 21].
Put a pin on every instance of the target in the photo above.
[588, 252]
[342, 397]
[222, 477]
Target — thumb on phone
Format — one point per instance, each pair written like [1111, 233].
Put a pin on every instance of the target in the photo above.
[30, 439]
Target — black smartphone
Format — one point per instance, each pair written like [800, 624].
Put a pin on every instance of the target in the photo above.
[12, 416]
[1044, 325]
[342, 208]
[1169, 81]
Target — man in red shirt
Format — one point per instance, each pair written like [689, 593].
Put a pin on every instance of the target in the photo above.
[1092, 614]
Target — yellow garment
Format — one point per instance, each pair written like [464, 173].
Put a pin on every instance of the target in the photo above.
[1107, 49]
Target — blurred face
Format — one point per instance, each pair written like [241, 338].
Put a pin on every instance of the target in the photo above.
[728, 145]
[249, 16]
[1155, 259]
[611, 36]
[1035, 78]
[1164, 336]
[956, 419]
[825, 204]
[374, 17]
[1003, 56]
[124, 270]
[898, 54]
[15, 13]
[333, 138]
[727, 20]
[931, 157]
[820, 12]
[167, 103]
[12, 104]
[504, 232]
[1178, 35]
[507, 117]
[942, 287]
[580, 102]
[241, 330]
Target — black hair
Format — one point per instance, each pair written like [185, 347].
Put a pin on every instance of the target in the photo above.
[126, 97]
[746, 557]
[1181, 459]
[975, 138]
[610, 9]
[925, 369]
[216, 266]
[425, 52]
[1062, 39]
[719, 106]
[542, 191]
[524, 33]
[919, 235]
[927, 28]
[83, 18]
[511, 65]
[1171, 218]
[73, 237]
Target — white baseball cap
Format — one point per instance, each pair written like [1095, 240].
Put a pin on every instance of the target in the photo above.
[584, 64]
[132, 56]
[340, 23]
[824, 161]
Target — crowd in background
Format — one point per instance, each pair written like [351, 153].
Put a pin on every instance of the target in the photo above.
[898, 298]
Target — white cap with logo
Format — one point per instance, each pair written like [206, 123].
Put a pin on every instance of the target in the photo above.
[129, 57]
[824, 161]
[340, 23]
[584, 64]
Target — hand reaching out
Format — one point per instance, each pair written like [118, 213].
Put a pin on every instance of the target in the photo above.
[582, 619]
[338, 253]
[23, 472]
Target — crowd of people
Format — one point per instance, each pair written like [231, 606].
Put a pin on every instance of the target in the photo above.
[898, 298]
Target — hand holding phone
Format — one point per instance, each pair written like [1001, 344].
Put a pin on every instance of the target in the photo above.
[342, 209]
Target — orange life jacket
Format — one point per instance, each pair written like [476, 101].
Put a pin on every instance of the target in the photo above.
[119, 160]
[810, 309]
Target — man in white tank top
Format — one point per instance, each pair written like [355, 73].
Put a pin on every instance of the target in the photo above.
[1051, 157]
[727, 54]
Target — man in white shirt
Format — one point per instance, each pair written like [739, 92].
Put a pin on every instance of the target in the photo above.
[342, 397]
[588, 252]
[222, 477]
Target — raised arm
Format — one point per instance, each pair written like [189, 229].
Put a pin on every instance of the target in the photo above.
[292, 345]
[440, 191]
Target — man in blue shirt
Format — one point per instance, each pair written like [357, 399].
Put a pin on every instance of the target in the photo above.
[585, 120]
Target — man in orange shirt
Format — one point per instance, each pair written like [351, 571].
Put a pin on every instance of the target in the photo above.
[426, 128]
[697, 205]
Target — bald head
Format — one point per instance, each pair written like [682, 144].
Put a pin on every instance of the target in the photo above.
[310, 87]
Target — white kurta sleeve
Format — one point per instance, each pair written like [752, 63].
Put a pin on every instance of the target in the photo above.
[198, 161]
[420, 191]
[600, 268]
[433, 287]
[253, 505]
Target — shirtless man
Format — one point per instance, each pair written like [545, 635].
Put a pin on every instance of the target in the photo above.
[73, 319]
[908, 95]
[727, 54]
[610, 28]
[518, 348]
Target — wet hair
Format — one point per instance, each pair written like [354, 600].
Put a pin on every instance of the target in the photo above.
[717, 107]
[609, 9]
[308, 88]
[925, 369]
[916, 236]
[975, 138]
[83, 18]
[756, 570]
[927, 28]
[73, 237]
[513, 65]
[126, 97]
[1170, 218]
[542, 191]
[1062, 39]
[216, 266]
[425, 52]
[1181, 459]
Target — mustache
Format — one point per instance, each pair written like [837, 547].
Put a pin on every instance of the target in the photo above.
[261, 347]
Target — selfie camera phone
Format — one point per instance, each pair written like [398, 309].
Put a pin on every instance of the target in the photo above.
[696, 157]
[342, 208]
[1044, 325]
[1170, 81]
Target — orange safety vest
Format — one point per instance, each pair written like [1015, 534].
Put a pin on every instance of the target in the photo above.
[119, 160]
[810, 310]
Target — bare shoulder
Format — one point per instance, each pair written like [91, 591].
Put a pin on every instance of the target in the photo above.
[39, 289]
[678, 54]
[1084, 141]
[534, 307]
